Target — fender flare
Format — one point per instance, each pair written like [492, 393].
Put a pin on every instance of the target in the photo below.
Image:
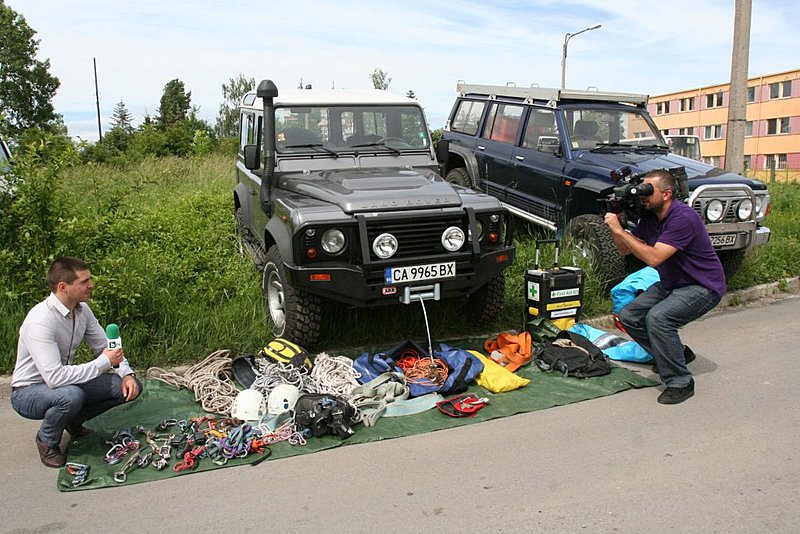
[470, 162]
[277, 233]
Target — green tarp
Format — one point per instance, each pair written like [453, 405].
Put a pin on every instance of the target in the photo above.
[159, 401]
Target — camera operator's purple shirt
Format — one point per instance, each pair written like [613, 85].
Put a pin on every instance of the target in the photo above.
[695, 261]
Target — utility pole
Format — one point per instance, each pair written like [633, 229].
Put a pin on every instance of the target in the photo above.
[737, 107]
[97, 100]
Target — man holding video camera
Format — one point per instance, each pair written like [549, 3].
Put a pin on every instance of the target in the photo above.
[672, 238]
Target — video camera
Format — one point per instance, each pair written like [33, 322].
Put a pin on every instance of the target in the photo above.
[630, 187]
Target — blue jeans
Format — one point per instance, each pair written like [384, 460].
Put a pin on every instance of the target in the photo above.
[60, 406]
[653, 318]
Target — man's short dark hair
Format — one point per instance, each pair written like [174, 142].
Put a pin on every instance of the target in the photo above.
[666, 181]
[64, 269]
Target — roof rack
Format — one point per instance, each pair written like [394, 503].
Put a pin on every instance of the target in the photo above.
[529, 94]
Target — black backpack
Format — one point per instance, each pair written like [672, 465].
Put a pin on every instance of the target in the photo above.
[573, 355]
[321, 414]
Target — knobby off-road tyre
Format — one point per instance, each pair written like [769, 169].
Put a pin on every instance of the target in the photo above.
[459, 176]
[247, 243]
[485, 304]
[731, 261]
[591, 239]
[295, 314]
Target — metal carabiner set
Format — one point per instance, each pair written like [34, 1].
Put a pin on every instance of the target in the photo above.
[189, 441]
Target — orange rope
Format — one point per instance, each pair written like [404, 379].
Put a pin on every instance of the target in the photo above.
[418, 370]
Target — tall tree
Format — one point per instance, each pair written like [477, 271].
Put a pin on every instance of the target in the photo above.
[26, 86]
[232, 94]
[175, 104]
[380, 79]
[121, 118]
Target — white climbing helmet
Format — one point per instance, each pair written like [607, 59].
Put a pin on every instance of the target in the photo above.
[282, 399]
[248, 405]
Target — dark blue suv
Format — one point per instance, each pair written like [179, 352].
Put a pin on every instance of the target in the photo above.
[549, 155]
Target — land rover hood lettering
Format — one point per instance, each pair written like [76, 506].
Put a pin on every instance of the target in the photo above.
[375, 189]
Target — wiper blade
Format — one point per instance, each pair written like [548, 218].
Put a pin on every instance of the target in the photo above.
[380, 144]
[653, 148]
[315, 145]
[612, 147]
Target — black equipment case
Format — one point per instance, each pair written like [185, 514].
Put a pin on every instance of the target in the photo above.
[556, 293]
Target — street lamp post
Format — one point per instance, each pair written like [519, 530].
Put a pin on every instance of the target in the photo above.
[567, 37]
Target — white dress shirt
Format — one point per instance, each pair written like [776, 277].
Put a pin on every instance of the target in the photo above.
[48, 339]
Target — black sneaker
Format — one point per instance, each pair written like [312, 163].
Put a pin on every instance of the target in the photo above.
[677, 395]
[688, 355]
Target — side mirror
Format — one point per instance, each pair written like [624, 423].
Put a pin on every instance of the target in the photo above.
[252, 157]
[443, 151]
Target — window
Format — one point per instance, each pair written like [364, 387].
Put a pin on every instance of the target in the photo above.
[665, 132]
[714, 100]
[780, 89]
[468, 117]
[687, 104]
[686, 131]
[748, 129]
[541, 132]
[775, 161]
[712, 132]
[503, 123]
[748, 162]
[751, 94]
[778, 126]
[247, 135]
[662, 107]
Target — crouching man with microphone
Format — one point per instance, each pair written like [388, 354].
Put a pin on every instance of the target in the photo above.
[46, 384]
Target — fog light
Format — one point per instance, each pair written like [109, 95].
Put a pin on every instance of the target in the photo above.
[385, 246]
[453, 238]
[745, 209]
[311, 253]
[714, 211]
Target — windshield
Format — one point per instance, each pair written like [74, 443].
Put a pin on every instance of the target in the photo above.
[591, 127]
[340, 129]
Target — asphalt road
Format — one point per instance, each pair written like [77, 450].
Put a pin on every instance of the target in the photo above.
[726, 460]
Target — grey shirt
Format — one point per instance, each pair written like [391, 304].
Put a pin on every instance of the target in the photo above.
[48, 339]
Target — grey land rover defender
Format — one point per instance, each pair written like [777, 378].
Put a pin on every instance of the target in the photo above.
[338, 197]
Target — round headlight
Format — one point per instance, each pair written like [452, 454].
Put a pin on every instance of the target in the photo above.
[384, 246]
[714, 211]
[759, 203]
[333, 241]
[453, 238]
[745, 209]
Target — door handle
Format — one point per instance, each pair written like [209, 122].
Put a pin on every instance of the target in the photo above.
[520, 158]
[481, 147]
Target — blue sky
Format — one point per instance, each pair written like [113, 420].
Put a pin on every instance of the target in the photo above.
[643, 46]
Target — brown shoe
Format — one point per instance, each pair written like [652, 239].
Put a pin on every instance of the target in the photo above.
[77, 430]
[50, 456]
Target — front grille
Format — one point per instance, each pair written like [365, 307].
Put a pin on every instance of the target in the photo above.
[418, 236]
